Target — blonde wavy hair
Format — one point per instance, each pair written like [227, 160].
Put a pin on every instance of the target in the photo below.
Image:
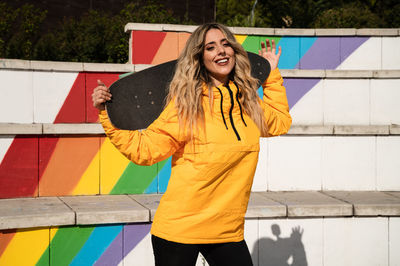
[186, 87]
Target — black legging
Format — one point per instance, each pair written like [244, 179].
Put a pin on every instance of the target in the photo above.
[169, 253]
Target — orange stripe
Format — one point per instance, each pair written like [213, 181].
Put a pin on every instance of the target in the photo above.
[5, 238]
[69, 161]
[182, 39]
[168, 49]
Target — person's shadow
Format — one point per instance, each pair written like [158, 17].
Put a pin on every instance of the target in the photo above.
[281, 251]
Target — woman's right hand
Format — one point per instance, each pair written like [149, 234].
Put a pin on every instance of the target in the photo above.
[100, 95]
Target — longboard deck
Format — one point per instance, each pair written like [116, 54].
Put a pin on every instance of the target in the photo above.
[139, 98]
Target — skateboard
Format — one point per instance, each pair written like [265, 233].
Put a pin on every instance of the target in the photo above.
[139, 98]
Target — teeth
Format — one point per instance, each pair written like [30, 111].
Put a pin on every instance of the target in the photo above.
[222, 60]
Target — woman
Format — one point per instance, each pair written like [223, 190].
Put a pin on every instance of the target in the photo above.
[211, 126]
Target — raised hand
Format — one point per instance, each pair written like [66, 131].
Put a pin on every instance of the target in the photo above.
[270, 54]
[100, 95]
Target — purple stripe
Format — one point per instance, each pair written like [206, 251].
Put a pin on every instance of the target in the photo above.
[113, 254]
[133, 234]
[349, 44]
[297, 88]
[124, 243]
[324, 54]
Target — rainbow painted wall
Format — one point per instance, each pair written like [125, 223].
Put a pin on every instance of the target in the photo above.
[63, 165]
[48, 165]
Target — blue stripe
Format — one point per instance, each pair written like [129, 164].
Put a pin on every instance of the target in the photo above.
[163, 176]
[99, 240]
[290, 52]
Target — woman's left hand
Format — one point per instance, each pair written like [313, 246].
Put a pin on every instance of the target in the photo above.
[270, 54]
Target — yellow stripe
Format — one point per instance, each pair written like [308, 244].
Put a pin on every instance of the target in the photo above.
[112, 165]
[26, 247]
[89, 182]
[240, 38]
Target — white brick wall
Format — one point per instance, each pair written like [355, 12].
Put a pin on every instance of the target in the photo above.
[394, 241]
[385, 96]
[348, 163]
[388, 163]
[309, 110]
[50, 89]
[17, 98]
[326, 241]
[329, 163]
[390, 53]
[346, 102]
[356, 241]
[367, 56]
[294, 163]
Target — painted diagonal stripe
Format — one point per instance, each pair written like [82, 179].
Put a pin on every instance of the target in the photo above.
[98, 242]
[67, 242]
[31, 242]
[113, 254]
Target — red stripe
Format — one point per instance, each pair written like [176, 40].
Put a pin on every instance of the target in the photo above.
[73, 109]
[19, 168]
[145, 45]
[5, 238]
[92, 114]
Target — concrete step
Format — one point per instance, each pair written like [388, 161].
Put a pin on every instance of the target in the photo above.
[295, 130]
[114, 209]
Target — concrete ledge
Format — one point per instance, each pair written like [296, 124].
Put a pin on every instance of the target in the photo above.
[108, 67]
[21, 129]
[335, 32]
[252, 31]
[310, 204]
[294, 32]
[394, 129]
[177, 27]
[369, 203]
[93, 128]
[349, 74]
[303, 73]
[381, 74]
[361, 130]
[16, 64]
[377, 32]
[7, 129]
[260, 206]
[106, 209]
[150, 202]
[269, 31]
[34, 212]
[110, 209]
[310, 130]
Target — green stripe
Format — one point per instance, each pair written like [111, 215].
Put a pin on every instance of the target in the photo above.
[45, 258]
[135, 179]
[65, 245]
[253, 43]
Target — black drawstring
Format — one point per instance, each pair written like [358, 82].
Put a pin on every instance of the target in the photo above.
[222, 110]
[240, 106]
[230, 112]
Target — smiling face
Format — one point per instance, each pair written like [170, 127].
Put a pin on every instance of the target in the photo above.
[218, 56]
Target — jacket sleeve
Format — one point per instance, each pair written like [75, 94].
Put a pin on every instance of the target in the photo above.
[146, 147]
[275, 105]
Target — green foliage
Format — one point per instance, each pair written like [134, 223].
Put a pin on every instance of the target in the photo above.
[351, 15]
[19, 30]
[97, 36]
[310, 13]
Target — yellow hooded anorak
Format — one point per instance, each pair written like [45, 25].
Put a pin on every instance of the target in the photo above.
[212, 173]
